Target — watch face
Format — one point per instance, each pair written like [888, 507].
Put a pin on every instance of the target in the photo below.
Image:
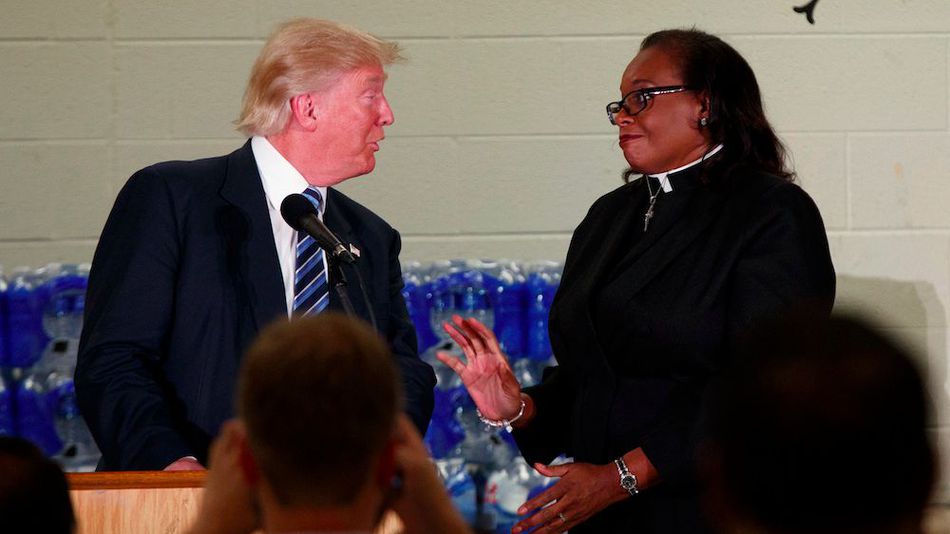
[627, 482]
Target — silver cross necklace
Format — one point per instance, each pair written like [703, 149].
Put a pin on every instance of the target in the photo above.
[649, 214]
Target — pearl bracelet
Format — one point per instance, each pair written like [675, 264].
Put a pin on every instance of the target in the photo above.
[504, 422]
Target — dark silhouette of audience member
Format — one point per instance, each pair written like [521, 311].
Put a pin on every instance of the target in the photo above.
[34, 495]
[820, 428]
[320, 443]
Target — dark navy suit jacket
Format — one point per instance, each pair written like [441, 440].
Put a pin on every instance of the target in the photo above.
[185, 275]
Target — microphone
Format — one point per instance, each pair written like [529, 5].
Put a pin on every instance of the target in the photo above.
[301, 215]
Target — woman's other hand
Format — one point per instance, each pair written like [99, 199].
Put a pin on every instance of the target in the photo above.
[584, 490]
[486, 373]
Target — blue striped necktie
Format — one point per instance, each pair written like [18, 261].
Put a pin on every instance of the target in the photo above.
[311, 290]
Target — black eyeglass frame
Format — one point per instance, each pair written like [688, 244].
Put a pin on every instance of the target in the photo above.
[648, 93]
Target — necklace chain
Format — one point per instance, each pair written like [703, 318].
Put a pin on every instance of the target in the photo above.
[649, 214]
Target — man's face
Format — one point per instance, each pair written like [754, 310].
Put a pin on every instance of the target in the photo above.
[349, 123]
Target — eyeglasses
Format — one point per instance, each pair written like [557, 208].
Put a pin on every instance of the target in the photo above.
[636, 101]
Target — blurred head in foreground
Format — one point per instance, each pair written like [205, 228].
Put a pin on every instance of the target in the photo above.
[820, 428]
[34, 495]
[319, 397]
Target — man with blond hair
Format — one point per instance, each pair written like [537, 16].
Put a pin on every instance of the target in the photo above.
[196, 258]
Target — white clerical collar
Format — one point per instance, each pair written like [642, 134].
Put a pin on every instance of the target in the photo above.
[664, 179]
[278, 176]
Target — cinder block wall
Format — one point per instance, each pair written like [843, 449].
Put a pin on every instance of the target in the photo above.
[500, 142]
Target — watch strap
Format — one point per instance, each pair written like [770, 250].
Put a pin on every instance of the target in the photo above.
[628, 481]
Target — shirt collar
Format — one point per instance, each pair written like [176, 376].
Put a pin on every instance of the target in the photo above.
[664, 179]
[278, 176]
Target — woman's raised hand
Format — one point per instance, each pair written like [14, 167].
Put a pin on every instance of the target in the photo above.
[486, 373]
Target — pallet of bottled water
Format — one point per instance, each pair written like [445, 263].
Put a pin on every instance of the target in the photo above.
[41, 320]
[40, 323]
[480, 465]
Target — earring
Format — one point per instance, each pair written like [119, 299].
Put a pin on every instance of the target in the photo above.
[703, 121]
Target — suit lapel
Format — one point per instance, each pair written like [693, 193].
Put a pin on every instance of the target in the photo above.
[255, 262]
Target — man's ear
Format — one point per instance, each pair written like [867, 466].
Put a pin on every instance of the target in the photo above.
[304, 109]
[249, 468]
[386, 468]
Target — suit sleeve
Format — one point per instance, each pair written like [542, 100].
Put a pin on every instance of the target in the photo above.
[129, 305]
[785, 263]
[418, 378]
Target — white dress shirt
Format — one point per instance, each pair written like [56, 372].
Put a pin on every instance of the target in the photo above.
[280, 179]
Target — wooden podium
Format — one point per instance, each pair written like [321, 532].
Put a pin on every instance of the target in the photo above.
[135, 501]
[147, 502]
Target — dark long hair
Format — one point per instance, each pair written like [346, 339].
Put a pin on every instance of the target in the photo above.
[736, 117]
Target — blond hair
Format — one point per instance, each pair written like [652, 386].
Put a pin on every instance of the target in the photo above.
[319, 396]
[304, 55]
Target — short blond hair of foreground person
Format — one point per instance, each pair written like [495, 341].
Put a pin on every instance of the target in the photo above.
[320, 443]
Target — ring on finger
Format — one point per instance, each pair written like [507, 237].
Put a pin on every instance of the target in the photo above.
[562, 517]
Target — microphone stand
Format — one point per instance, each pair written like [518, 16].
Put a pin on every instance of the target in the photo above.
[339, 284]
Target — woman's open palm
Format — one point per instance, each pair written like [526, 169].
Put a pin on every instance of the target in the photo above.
[486, 373]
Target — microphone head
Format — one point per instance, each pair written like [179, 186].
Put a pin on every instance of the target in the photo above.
[294, 208]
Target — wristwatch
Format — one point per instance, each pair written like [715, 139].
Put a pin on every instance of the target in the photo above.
[628, 480]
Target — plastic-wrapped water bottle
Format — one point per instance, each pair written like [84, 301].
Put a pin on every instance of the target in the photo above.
[79, 451]
[444, 433]
[25, 300]
[4, 328]
[440, 311]
[505, 285]
[414, 292]
[460, 486]
[511, 487]
[66, 297]
[457, 288]
[541, 284]
[7, 427]
[483, 445]
[34, 419]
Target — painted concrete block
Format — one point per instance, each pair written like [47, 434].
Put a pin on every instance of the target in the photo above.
[54, 90]
[535, 184]
[839, 83]
[417, 186]
[525, 247]
[900, 180]
[392, 19]
[819, 161]
[617, 17]
[54, 191]
[55, 19]
[180, 90]
[130, 156]
[185, 19]
[507, 86]
[899, 280]
[36, 254]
